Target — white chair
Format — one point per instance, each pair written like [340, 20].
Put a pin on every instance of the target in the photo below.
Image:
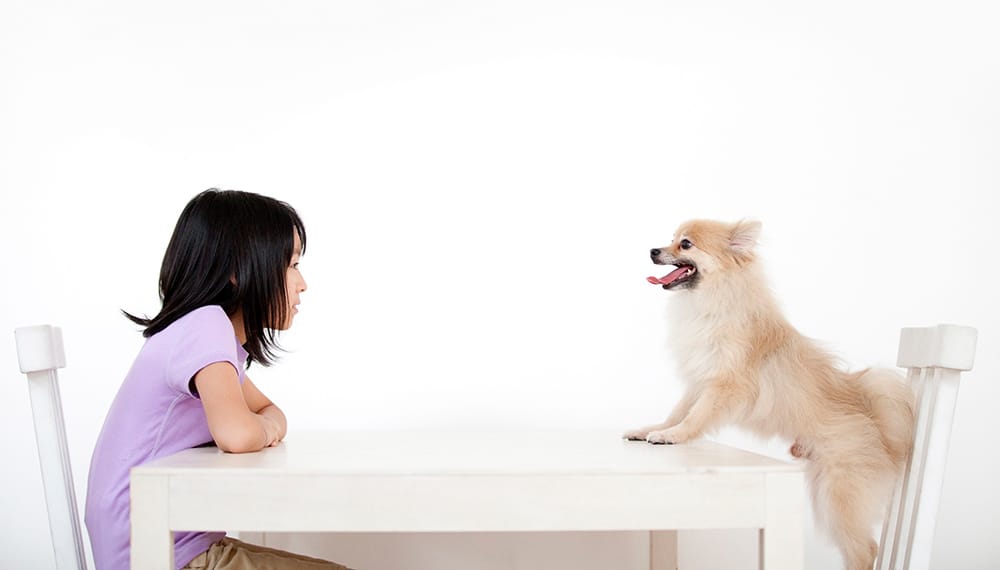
[39, 354]
[935, 358]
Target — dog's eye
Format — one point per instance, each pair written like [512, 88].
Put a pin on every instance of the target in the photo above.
[686, 244]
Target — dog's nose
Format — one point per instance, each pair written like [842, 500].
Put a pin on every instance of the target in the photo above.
[654, 252]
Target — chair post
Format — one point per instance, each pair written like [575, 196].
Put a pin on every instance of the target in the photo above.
[935, 357]
[937, 438]
[39, 354]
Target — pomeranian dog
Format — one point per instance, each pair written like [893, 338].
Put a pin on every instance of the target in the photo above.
[744, 364]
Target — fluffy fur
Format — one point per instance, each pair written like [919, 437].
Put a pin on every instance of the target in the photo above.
[744, 364]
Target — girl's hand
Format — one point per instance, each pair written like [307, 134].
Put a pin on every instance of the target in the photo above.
[272, 430]
[263, 406]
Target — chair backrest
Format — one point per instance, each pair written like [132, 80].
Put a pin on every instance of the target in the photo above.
[39, 354]
[935, 358]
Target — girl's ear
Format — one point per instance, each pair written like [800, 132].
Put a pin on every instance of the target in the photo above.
[743, 237]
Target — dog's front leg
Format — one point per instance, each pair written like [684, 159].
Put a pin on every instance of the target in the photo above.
[680, 411]
[718, 403]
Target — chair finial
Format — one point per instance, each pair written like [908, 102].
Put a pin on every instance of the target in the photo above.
[39, 348]
[941, 346]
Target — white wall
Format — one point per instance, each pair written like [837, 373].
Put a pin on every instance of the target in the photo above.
[481, 183]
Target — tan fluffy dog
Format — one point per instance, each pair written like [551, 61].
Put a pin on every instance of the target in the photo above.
[745, 364]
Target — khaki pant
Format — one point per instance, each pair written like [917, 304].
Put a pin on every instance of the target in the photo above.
[232, 554]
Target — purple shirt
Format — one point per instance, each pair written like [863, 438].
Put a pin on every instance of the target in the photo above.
[155, 414]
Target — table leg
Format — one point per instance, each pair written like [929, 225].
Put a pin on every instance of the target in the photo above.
[152, 545]
[663, 550]
[781, 540]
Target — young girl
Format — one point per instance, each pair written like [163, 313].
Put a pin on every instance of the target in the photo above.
[229, 280]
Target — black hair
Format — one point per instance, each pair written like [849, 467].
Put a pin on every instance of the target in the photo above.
[230, 248]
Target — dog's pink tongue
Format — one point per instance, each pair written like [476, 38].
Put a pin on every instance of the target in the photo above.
[668, 278]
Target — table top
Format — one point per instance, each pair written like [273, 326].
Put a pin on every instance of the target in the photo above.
[468, 481]
[469, 453]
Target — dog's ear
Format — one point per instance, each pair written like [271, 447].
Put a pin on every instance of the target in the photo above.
[743, 237]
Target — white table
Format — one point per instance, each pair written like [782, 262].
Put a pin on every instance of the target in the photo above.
[419, 481]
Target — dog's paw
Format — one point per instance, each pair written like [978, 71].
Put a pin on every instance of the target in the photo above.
[635, 435]
[800, 451]
[796, 450]
[667, 436]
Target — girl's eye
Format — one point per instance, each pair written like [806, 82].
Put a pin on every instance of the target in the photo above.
[686, 244]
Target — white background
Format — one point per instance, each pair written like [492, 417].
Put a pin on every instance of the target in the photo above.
[481, 183]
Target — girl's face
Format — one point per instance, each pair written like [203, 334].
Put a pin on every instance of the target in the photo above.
[294, 283]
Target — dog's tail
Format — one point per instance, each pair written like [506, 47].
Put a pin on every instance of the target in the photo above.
[891, 402]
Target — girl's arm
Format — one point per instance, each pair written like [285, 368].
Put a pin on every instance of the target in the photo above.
[235, 427]
[261, 404]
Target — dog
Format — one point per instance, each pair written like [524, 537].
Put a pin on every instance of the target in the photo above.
[745, 364]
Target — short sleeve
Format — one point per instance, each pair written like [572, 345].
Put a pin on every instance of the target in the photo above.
[204, 337]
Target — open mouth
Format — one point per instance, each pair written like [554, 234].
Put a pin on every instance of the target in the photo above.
[683, 274]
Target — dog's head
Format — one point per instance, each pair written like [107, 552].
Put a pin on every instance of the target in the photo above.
[703, 250]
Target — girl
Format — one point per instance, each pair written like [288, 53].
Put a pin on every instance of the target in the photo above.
[229, 280]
